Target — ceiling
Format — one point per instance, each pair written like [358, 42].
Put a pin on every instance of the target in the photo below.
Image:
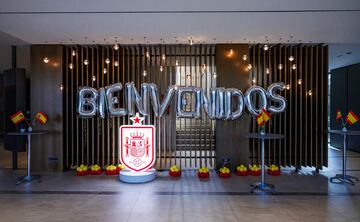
[53, 21]
[167, 21]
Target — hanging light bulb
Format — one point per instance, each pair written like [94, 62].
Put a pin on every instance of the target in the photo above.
[267, 70]
[291, 58]
[107, 60]
[46, 59]
[116, 63]
[191, 41]
[253, 80]
[163, 57]
[176, 62]
[310, 93]
[293, 66]
[116, 46]
[188, 76]
[287, 86]
[280, 66]
[71, 66]
[105, 70]
[266, 47]
[244, 57]
[86, 62]
[93, 78]
[61, 87]
[147, 55]
[231, 52]
[144, 73]
[249, 66]
[73, 53]
[299, 81]
[203, 67]
[161, 68]
[214, 75]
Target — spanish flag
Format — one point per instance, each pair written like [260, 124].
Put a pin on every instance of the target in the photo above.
[260, 120]
[263, 117]
[338, 115]
[351, 118]
[42, 117]
[17, 117]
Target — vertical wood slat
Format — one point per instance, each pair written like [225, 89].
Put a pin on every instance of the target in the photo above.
[305, 119]
[96, 145]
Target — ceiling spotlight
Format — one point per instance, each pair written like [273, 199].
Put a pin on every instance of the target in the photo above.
[163, 57]
[280, 66]
[291, 58]
[93, 78]
[61, 87]
[293, 66]
[116, 46]
[267, 70]
[214, 75]
[299, 81]
[71, 66]
[161, 68]
[86, 62]
[176, 62]
[116, 63]
[105, 70]
[73, 53]
[46, 60]
[244, 57]
[107, 61]
[144, 73]
[266, 47]
[249, 66]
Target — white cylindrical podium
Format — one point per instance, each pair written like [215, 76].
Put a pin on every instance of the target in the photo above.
[128, 176]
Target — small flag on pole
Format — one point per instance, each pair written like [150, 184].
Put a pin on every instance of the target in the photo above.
[263, 117]
[41, 117]
[338, 115]
[351, 118]
[17, 117]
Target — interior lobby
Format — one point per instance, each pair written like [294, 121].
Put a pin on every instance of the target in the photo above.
[159, 110]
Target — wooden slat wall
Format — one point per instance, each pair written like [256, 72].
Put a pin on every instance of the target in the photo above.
[94, 141]
[305, 119]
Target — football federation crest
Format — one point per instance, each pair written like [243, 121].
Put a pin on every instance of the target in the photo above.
[137, 145]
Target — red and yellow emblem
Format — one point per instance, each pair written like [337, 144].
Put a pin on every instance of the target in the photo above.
[41, 117]
[137, 145]
[17, 117]
[263, 117]
[352, 118]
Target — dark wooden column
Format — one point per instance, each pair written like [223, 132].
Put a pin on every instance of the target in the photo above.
[232, 73]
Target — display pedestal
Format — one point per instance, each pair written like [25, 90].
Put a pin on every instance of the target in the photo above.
[128, 176]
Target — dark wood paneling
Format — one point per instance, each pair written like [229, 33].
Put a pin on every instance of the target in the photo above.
[232, 73]
[46, 96]
[354, 103]
[338, 94]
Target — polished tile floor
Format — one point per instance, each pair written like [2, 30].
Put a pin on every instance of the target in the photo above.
[306, 196]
